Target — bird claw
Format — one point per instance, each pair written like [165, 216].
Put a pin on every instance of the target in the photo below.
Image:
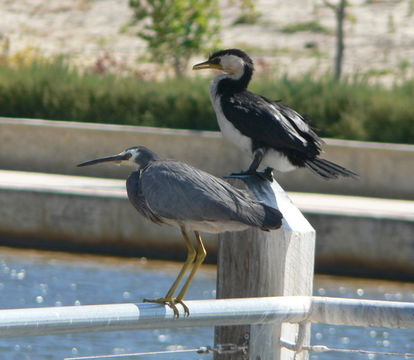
[267, 174]
[240, 175]
[235, 176]
[171, 302]
[174, 309]
[185, 307]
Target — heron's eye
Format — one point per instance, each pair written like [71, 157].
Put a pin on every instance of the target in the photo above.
[128, 155]
[215, 61]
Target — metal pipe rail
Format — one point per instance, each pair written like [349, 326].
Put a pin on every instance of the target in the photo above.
[119, 317]
[359, 312]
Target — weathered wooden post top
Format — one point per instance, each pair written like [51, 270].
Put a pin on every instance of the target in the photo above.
[255, 263]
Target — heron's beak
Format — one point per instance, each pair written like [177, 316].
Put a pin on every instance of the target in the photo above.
[207, 65]
[115, 159]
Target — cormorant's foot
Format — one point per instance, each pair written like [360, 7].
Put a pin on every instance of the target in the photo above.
[185, 307]
[171, 303]
[240, 174]
[267, 174]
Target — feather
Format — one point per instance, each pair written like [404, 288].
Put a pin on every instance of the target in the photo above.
[177, 191]
[329, 170]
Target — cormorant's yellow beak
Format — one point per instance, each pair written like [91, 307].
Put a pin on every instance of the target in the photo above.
[207, 65]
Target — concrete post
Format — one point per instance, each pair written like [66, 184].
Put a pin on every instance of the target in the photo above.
[256, 263]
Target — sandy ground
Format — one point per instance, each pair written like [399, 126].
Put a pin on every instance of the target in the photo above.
[380, 34]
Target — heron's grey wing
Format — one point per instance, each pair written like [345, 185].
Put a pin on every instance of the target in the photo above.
[178, 191]
[137, 197]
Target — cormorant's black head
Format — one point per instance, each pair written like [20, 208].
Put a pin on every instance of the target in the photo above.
[136, 155]
[234, 62]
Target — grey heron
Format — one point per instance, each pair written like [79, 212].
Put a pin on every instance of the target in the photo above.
[270, 131]
[171, 192]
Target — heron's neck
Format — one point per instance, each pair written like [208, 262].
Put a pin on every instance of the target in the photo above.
[145, 158]
[233, 83]
[142, 166]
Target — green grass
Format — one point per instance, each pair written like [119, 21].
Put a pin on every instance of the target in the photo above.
[350, 109]
[247, 19]
[309, 26]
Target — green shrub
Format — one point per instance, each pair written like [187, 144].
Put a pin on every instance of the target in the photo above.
[309, 26]
[350, 109]
[57, 92]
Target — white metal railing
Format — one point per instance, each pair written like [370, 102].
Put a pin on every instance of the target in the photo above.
[117, 317]
[265, 310]
[293, 309]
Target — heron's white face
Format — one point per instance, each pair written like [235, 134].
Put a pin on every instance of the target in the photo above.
[130, 157]
[232, 65]
[137, 155]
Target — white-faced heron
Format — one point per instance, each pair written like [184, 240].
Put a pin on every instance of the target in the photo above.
[274, 134]
[174, 193]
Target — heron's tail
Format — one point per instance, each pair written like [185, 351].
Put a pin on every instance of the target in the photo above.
[272, 219]
[329, 170]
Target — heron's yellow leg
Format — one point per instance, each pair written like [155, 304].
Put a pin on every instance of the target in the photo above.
[201, 255]
[191, 255]
[168, 298]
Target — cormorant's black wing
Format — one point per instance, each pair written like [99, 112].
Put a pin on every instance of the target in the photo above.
[270, 123]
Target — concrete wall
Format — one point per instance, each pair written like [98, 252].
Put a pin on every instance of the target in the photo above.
[355, 245]
[387, 170]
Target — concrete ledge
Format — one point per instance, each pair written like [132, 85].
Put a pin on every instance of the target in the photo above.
[355, 235]
[386, 170]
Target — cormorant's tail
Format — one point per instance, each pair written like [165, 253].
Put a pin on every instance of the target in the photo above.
[272, 219]
[329, 170]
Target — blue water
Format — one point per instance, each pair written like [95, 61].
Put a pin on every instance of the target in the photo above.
[35, 279]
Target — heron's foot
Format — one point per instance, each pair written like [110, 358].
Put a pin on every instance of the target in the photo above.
[185, 307]
[166, 301]
[171, 302]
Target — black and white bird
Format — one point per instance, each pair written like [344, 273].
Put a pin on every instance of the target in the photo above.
[171, 192]
[273, 133]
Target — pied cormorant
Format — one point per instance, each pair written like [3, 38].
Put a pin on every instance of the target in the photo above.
[273, 133]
